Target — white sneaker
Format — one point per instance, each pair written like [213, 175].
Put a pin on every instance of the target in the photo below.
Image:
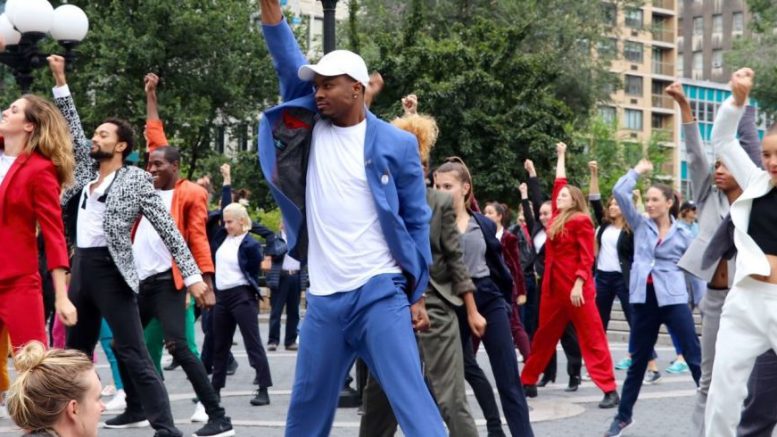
[118, 403]
[199, 413]
[108, 390]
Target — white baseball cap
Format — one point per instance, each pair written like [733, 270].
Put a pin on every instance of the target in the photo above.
[337, 63]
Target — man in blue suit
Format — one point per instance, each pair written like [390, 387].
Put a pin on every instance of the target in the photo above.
[352, 194]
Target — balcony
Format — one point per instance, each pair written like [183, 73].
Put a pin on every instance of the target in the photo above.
[663, 34]
[663, 101]
[664, 4]
[663, 68]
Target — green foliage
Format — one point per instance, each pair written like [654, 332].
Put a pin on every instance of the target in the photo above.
[211, 58]
[758, 51]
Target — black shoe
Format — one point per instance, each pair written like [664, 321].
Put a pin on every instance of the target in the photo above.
[349, 398]
[610, 400]
[232, 368]
[172, 366]
[127, 420]
[545, 381]
[530, 390]
[261, 398]
[574, 383]
[218, 427]
[616, 427]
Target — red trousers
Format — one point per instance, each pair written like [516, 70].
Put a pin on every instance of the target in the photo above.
[21, 309]
[556, 311]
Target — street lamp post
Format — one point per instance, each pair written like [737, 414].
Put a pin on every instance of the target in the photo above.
[329, 24]
[27, 22]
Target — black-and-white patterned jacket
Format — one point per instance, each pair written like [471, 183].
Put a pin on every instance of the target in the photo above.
[131, 195]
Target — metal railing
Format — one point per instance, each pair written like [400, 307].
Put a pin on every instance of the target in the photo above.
[664, 4]
[663, 34]
[663, 68]
[663, 101]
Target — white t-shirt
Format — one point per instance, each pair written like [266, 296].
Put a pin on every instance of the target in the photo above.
[5, 165]
[607, 261]
[91, 211]
[539, 240]
[346, 243]
[228, 273]
[150, 252]
[289, 263]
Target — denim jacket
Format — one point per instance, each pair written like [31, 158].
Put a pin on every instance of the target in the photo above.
[660, 260]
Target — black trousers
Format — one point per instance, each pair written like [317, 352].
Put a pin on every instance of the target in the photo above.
[98, 291]
[237, 307]
[158, 298]
[206, 355]
[287, 294]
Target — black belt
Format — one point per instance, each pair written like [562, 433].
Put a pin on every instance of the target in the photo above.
[159, 277]
[289, 272]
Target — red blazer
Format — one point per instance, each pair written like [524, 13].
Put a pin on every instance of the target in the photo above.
[30, 194]
[512, 258]
[570, 255]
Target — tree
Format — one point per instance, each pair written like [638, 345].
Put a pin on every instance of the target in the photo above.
[212, 60]
[758, 52]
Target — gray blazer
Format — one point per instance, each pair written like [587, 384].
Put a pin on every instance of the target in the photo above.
[131, 195]
[448, 274]
[712, 204]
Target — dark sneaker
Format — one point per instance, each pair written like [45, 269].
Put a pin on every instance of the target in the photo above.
[616, 427]
[292, 347]
[127, 420]
[530, 390]
[652, 377]
[574, 383]
[261, 398]
[610, 400]
[272, 347]
[545, 381]
[172, 366]
[232, 368]
[218, 427]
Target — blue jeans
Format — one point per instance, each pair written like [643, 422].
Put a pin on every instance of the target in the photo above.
[647, 320]
[372, 322]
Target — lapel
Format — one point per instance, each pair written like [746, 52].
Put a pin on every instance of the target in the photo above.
[373, 164]
[18, 163]
[740, 210]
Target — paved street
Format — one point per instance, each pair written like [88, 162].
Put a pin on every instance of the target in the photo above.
[663, 410]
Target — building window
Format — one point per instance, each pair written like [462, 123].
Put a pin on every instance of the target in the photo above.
[717, 59]
[634, 18]
[608, 47]
[680, 67]
[738, 22]
[633, 85]
[607, 114]
[698, 61]
[221, 133]
[698, 26]
[633, 119]
[710, 112]
[717, 24]
[632, 51]
[610, 13]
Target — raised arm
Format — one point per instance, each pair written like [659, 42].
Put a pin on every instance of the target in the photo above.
[226, 185]
[85, 165]
[561, 175]
[623, 192]
[747, 131]
[286, 54]
[535, 192]
[594, 196]
[528, 215]
[155, 129]
[724, 130]
[698, 164]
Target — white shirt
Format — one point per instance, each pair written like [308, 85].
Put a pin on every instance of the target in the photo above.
[499, 233]
[150, 252]
[5, 165]
[289, 262]
[228, 273]
[539, 240]
[89, 224]
[607, 261]
[346, 243]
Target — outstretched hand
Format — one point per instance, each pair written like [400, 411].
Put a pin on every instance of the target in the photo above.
[643, 167]
[741, 84]
[57, 67]
[676, 92]
[150, 82]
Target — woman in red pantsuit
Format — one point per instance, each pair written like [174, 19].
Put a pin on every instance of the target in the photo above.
[35, 161]
[497, 212]
[568, 291]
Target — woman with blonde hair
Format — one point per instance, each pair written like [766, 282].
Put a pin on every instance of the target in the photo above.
[36, 160]
[568, 293]
[56, 393]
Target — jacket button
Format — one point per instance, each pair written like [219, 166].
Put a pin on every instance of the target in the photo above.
[384, 179]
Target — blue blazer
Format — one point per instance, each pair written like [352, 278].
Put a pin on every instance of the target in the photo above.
[497, 268]
[393, 166]
[249, 256]
[650, 257]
